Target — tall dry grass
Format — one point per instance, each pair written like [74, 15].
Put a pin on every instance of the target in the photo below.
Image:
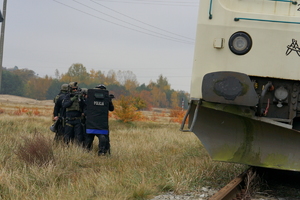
[147, 158]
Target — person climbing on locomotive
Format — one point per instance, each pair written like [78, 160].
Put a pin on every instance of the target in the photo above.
[98, 104]
[59, 113]
[74, 105]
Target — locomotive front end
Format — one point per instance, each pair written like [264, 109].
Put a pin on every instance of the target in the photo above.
[245, 102]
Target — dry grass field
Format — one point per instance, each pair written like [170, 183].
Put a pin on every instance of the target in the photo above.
[148, 158]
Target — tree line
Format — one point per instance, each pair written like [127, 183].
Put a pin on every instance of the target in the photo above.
[25, 83]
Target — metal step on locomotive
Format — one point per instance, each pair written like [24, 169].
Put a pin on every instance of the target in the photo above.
[245, 88]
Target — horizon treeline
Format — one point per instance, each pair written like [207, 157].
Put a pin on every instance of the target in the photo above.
[25, 83]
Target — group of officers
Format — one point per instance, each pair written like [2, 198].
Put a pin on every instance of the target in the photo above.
[81, 114]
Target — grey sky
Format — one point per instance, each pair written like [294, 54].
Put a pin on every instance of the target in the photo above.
[147, 37]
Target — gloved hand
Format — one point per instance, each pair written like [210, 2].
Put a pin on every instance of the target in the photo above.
[74, 98]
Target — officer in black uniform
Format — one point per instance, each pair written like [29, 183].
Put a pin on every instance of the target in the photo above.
[83, 120]
[74, 105]
[98, 104]
[59, 113]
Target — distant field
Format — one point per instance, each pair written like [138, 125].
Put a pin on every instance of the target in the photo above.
[23, 100]
[11, 104]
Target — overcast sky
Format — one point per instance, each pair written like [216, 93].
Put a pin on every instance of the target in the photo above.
[147, 37]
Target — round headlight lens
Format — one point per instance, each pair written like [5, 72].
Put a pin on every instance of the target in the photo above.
[240, 43]
[281, 93]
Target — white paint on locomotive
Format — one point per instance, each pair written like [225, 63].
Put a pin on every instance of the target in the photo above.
[245, 86]
[273, 26]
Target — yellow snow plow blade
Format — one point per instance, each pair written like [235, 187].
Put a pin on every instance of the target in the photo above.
[232, 133]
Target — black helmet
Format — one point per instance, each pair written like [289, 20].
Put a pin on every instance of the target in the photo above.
[101, 86]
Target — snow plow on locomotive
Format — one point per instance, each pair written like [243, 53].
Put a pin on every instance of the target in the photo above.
[245, 90]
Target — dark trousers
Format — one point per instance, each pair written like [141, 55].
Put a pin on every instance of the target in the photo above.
[73, 132]
[104, 143]
[60, 132]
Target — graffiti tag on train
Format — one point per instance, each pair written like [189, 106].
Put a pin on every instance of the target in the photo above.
[293, 47]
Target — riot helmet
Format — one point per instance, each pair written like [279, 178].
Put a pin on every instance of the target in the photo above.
[101, 86]
[73, 86]
[64, 87]
[52, 127]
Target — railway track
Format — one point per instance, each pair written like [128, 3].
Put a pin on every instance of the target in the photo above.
[254, 183]
[237, 189]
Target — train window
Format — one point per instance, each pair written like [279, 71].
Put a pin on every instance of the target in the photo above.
[240, 43]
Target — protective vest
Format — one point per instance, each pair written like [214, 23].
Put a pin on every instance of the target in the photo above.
[59, 96]
[75, 106]
[97, 111]
[56, 98]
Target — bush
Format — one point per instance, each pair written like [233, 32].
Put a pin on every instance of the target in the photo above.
[177, 115]
[37, 150]
[125, 110]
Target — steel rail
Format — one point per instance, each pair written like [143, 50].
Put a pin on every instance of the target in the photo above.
[233, 189]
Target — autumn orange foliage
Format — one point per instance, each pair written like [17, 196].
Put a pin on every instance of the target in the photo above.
[177, 115]
[154, 116]
[27, 111]
[17, 112]
[126, 111]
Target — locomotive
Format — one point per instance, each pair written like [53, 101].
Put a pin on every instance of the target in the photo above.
[244, 101]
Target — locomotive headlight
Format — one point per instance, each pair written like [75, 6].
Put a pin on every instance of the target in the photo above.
[281, 93]
[240, 43]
